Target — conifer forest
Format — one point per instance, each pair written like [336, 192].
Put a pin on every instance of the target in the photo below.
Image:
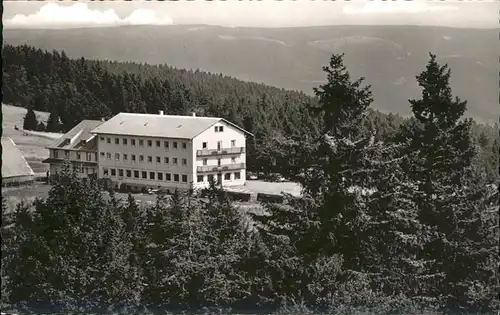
[398, 214]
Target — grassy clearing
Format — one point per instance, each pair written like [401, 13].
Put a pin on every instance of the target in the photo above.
[14, 116]
[32, 145]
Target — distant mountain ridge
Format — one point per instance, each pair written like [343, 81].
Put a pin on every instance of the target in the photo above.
[388, 56]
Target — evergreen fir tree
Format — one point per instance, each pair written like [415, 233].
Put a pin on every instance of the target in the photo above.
[335, 166]
[341, 162]
[26, 276]
[7, 234]
[226, 248]
[447, 195]
[30, 122]
[71, 225]
[394, 236]
[135, 229]
[288, 232]
[121, 280]
[40, 101]
[171, 253]
[180, 103]
[53, 123]
[41, 127]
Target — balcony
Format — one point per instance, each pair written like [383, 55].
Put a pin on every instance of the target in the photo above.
[215, 168]
[73, 161]
[225, 151]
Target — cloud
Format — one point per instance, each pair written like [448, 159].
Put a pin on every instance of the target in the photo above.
[396, 7]
[80, 15]
[143, 17]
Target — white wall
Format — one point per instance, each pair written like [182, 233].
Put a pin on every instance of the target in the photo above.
[211, 138]
[146, 151]
[73, 155]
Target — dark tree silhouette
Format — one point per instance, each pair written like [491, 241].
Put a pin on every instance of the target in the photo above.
[30, 121]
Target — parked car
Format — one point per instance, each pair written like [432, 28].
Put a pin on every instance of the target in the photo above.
[153, 191]
[274, 178]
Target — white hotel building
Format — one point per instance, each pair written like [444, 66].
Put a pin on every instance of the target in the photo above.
[151, 151]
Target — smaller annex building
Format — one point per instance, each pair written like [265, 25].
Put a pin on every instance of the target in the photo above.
[15, 170]
[79, 147]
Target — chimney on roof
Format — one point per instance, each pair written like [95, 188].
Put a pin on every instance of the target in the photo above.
[194, 114]
[161, 112]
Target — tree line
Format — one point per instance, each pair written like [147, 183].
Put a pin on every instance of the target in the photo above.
[75, 89]
[389, 226]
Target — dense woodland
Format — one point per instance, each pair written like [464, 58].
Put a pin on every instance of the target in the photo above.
[72, 90]
[400, 222]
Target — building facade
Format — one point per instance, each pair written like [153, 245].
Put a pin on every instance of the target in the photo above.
[78, 147]
[137, 151]
[220, 154]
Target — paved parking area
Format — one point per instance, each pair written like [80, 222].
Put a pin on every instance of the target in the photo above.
[260, 186]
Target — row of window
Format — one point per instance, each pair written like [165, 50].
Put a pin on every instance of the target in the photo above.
[88, 156]
[133, 158]
[166, 159]
[88, 170]
[78, 155]
[113, 172]
[133, 142]
[219, 161]
[219, 128]
[204, 145]
[166, 143]
[227, 176]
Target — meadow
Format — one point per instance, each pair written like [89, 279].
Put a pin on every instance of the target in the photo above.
[31, 143]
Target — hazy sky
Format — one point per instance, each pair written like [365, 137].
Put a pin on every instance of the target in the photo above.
[265, 13]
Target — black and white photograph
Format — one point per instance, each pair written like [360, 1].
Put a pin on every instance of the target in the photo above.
[250, 157]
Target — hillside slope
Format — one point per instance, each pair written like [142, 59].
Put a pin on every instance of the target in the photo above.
[31, 145]
[388, 56]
